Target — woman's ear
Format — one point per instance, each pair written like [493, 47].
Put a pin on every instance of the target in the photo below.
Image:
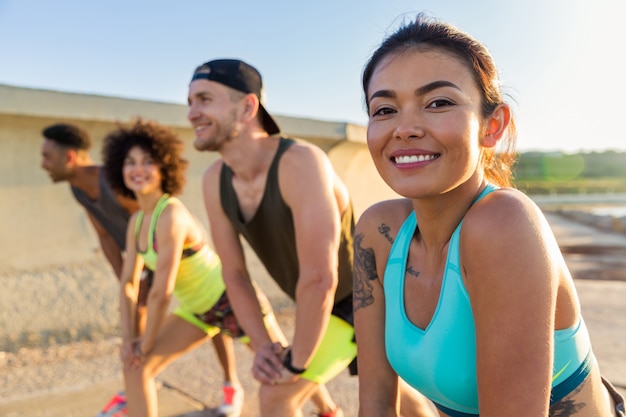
[496, 125]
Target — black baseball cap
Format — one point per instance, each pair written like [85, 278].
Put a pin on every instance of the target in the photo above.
[239, 76]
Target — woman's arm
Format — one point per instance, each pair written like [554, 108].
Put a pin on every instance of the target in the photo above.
[171, 231]
[129, 289]
[512, 282]
[378, 383]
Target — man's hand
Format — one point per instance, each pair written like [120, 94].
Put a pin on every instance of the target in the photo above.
[268, 366]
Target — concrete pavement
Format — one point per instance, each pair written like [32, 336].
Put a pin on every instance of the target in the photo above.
[78, 379]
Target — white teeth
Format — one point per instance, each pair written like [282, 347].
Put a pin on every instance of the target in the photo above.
[408, 159]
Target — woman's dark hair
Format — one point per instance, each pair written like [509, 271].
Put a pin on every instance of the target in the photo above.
[426, 33]
[160, 142]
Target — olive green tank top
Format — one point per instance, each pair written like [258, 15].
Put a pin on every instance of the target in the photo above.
[271, 232]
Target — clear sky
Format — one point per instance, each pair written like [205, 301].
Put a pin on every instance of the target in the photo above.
[561, 61]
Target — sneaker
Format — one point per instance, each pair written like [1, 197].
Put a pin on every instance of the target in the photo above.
[116, 407]
[232, 403]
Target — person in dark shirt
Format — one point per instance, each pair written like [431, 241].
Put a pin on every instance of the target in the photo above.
[65, 156]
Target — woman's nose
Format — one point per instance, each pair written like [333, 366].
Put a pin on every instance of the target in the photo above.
[409, 127]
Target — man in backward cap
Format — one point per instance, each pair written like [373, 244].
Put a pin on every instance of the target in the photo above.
[284, 197]
[286, 200]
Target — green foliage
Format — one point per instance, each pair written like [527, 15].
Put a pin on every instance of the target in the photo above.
[554, 172]
[575, 186]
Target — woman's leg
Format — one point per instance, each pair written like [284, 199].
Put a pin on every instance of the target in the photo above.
[175, 338]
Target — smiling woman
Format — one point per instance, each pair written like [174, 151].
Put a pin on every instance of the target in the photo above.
[156, 146]
[464, 270]
[145, 161]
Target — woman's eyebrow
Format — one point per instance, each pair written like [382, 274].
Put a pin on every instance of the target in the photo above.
[435, 85]
[382, 93]
[418, 92]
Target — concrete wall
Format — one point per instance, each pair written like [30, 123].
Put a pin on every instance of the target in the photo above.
[57, 286]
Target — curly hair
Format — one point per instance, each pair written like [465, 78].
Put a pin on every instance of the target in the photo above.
[160, 142]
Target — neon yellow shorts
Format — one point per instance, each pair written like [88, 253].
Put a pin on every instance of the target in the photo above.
[334, 354]
[212, 331]
[221, 318]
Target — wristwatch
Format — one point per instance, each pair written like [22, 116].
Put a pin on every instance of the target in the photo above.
[287, 364]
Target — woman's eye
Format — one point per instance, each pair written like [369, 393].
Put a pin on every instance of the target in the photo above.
[382, 111]
[439, 103]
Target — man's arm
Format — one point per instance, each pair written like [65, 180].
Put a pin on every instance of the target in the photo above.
[111, 250]
[317, 222]
[241, 291]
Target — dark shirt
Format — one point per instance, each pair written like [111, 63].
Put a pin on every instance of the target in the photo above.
[106, 209]
[271, 232]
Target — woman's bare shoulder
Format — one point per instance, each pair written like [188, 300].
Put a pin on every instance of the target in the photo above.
[381, 221]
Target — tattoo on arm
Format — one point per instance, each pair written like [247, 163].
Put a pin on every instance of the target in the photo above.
[364, 273]
[383, 229]
[567, 406]
[412, 271]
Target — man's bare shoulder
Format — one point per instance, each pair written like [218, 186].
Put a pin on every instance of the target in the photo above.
[129, 204]
[214, 169]
[210, 181]
[303, 147]
[303, 155]
[93, 174]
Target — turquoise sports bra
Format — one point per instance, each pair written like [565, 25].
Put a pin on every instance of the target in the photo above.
[440, 360]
